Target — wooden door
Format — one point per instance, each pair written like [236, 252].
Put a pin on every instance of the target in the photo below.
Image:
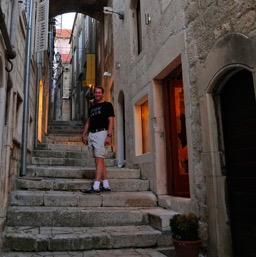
[238, 109]
[176, 139]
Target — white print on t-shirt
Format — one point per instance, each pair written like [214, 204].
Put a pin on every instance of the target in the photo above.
[96, 111]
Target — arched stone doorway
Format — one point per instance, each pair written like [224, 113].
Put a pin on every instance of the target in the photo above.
[238, 127]
[92, 8]
[228, 57]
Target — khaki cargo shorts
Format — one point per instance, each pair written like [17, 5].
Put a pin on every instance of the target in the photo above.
[96, 144]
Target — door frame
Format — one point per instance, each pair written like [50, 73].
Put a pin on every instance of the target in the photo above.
[213, 161]
[177, 183]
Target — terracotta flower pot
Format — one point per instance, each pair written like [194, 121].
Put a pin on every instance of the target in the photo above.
[187, 248]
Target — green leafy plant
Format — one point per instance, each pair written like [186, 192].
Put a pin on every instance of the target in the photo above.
[185, 227]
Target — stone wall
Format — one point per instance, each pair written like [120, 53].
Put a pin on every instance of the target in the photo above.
[12, 103]
[204, 37]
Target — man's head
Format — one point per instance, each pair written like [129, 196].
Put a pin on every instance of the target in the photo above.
[97, 88]
[98, 94]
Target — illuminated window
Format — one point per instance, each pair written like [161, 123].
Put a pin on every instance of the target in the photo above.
[40, 113]
[145, 127]
[142, 142]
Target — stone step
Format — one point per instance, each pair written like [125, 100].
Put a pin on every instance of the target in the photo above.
[67, 131]
[66, 122]
[77, 199]
[79, 172]
[63, 147]
[64, 138]
[76, 216]
[61, 154]
[125, 252]
[66, 126]
[68, 161]
[38, 239]
[117, 185]
[67, 154]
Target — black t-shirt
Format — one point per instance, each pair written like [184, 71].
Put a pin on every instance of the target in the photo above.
[99, 114]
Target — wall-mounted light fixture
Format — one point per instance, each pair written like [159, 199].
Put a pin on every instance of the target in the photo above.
[118, 65]
[106, 74]
[57, 57]
[109, 10]
[147, 18]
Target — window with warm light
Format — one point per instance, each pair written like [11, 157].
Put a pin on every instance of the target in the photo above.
[142, 139]
[40, 113]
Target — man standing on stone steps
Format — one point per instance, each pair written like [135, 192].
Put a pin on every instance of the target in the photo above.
[97, 134]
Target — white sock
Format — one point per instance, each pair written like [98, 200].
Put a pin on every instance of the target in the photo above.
[105, 183]
[96, 185]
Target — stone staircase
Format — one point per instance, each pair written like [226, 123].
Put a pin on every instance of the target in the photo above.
[49, 216]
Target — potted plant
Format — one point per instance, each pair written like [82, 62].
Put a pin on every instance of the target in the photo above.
[185, 234]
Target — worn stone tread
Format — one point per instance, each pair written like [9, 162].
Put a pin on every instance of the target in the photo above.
[78, 199]
[131, 252]
[32, 238]
[79, 172]
[131, 185]
[77, 216]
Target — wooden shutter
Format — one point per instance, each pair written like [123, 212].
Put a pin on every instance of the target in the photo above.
[41, 40]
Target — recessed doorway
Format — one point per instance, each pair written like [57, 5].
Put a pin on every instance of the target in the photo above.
[238, 111]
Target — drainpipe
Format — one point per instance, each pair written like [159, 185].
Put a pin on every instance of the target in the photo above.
[26, 91]
[37, 98]
[10, 53]
[50, 102]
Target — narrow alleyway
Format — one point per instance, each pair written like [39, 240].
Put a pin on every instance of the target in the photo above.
[180, 76]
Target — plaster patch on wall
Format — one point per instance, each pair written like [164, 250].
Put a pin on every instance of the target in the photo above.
[165, 3]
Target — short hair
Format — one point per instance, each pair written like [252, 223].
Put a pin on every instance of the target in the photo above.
[99, 87]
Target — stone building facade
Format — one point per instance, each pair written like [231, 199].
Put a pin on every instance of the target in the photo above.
[183, 87]
[13, 24]
[201, 53]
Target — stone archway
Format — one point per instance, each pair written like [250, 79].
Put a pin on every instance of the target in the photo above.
[238, 123]
[92, 8]
[230, 53]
